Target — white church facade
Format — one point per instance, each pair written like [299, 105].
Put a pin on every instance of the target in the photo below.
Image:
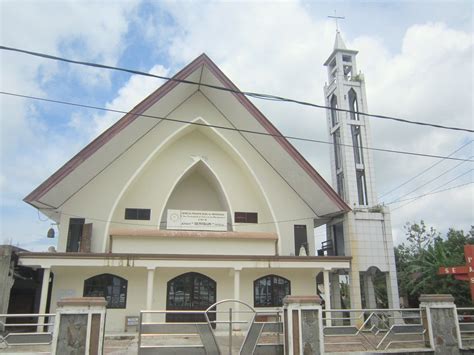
[181, 204]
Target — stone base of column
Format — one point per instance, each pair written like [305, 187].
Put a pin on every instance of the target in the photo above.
[303, 325]
[79, 326]
[439, 316]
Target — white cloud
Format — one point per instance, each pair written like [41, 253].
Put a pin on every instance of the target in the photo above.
[430, 80]
[273, 47]
[32, 146]
[129, 95]
[281, 49]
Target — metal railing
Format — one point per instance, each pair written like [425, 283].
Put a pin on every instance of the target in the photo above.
[466, 326]
[215, 330]
[26, 329]
[373, 329]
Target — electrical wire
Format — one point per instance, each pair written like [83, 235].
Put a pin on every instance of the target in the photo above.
[435, 189]
[429, 182]
[425, 170]
[255, 95]
[413, 199]
[230, 128]
[162, 223]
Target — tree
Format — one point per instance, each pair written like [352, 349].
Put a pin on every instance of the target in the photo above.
[419, 259]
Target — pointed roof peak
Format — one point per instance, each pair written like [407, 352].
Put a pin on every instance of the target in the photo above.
[339, 43]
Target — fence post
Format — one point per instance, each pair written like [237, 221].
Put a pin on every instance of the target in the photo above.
[303, 325]
[439, 316]
[79, 326]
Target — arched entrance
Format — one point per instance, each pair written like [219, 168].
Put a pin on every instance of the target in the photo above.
[190, 292]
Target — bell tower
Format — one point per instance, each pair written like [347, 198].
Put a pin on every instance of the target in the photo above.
[365, 232]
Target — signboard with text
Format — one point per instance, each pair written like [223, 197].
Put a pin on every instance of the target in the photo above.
[463, 272]
[197, 220]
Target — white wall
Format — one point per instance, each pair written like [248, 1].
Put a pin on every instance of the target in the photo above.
[69, 281]
[180, 245]
[145, 175]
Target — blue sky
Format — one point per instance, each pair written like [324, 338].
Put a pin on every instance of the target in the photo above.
[416, 56]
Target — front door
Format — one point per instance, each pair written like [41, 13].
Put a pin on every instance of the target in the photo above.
[190, 292]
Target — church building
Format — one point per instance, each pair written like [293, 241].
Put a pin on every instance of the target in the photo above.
[195, 197]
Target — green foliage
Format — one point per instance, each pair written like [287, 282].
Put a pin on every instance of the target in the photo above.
[419, 259]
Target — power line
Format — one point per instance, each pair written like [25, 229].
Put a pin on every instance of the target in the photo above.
[433, 191]
[424, 171]
[450, 181]
[413, 199]
[246, 93]
[161, 223]
[429, 182]
[231, 128]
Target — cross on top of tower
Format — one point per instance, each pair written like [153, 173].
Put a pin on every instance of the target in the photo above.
[335, 17]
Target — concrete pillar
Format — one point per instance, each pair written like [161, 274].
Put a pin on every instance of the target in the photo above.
[354, 287]
[369, 291]
[356, 300]
[392, 288]
[149, 288]
[439, 316]
[6, 280]
[336, 298]
[236, 316]
[335, 291]
[149, 293]
[327, 296]
[79, 327]
[44, 297]
[303, 325]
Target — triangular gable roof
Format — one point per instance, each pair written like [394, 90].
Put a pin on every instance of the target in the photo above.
[203, 61]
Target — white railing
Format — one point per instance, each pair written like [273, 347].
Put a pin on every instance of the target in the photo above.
[26, 329]
[466, 326]
[373, 329]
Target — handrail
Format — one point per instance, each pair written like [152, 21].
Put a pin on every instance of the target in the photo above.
[374, 310]
[230, 301]
[24, 315]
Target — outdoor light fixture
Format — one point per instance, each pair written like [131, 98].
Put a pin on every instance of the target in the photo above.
[51, 233]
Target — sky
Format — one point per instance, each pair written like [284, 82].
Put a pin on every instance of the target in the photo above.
[417, 58]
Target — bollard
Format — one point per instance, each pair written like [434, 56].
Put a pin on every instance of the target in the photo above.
[303, 325]
[439, 317]
[79, 326]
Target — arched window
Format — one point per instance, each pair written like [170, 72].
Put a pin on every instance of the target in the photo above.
[190, 292]
[334, 119]
[112, 288]
[353, 105]
[270, 290]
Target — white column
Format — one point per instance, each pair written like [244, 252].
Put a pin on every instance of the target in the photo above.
[149, 293]
[237, 284]
[356, 300]
[44, 296]
[392, 289]
[370, 301]
[236, 317]
[149, 288]
[327, 296]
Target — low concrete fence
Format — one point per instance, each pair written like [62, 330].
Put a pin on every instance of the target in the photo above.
[300, 327]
